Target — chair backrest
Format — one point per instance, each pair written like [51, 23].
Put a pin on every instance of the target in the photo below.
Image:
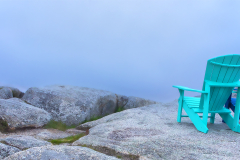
[223, 69]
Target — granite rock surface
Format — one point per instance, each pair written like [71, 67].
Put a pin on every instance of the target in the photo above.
[59, 153]
[6, 150]
[152, 132]
[18, 114]
[73, 105]
[133, 102]
[25, 142]
[49, 134]
[6, 93]
[14, 92]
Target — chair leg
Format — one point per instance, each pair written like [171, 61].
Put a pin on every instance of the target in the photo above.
[229, 120]
[236, 112]
[197, 121]
[179, 111]
[212, 118]
[180, 105]
[205, 109]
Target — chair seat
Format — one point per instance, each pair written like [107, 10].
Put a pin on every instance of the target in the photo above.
[224, 110]
[194, 102]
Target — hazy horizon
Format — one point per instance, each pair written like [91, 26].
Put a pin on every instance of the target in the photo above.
[129, 47]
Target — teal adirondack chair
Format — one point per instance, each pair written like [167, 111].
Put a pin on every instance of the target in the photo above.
[221, 76]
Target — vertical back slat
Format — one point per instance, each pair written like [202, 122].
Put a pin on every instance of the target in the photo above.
[210, 72]
[216, 69]
[225, 92]
[228, 91]
[214, 78]
[214, 99]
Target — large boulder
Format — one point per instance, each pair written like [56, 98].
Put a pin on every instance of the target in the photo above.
[152, 132]
[6, 93]
[14, 92]
[72, 105]
[59, 153]
[6, 150]
[133, 102]
[25, 142]
[15, 113]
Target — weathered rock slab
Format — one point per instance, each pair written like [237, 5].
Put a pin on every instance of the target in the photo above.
[72, 105]
[19, 114]
[74, 131]
[60, 153]
[41, 133]
[6, 150]
[56, 134]
[25, 142]
[152, 132]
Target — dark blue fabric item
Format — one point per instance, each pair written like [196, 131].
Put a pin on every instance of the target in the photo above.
[230, 104]
[233, 101]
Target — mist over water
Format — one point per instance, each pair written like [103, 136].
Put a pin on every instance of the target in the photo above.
[135, 48]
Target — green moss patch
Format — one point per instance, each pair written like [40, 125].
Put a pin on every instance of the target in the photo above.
[69, 139]
[119, 109]
[62, 126]
[58, 125]
[3, 126]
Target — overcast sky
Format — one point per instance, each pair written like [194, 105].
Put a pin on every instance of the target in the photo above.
[131, 47]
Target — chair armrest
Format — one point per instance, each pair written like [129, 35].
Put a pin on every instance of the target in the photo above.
[217, 84]
[189, 89]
